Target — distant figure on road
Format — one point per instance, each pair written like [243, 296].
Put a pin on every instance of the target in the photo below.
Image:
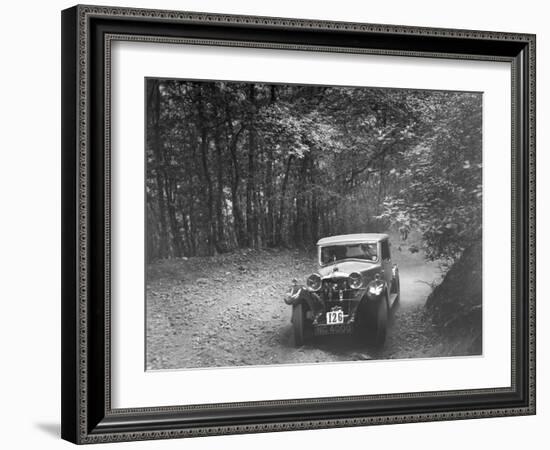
[404, 232]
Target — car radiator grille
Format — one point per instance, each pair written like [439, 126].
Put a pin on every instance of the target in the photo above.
[336, 291]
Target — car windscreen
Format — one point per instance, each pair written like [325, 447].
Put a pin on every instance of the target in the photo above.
[333, 253]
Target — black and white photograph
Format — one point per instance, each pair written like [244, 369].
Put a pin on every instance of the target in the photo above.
[303, 224]
[275, 225]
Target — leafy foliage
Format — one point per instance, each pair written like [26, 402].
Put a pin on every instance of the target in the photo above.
[235, 165]
[443, 192]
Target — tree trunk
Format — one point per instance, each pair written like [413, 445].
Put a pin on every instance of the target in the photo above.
[282, 199]
[153, 232]
[238, 221]
[212, 244]
[185, 234]
[314, 213]
[251, 207]
[171, 209]
[219, 196]
[300, 225]
[192, 227]
[270, 203]
[159, 158]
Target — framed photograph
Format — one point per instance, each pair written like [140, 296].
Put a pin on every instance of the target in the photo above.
[279, 224]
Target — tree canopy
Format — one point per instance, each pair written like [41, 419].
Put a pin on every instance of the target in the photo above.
[232, 165]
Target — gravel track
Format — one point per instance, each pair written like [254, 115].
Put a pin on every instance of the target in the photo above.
[228, 310]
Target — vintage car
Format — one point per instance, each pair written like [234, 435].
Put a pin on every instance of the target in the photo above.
[352, 293]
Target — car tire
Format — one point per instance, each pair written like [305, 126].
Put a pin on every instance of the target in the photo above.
[298, 324]
[396, 288]
[380, 326]
[373, 322]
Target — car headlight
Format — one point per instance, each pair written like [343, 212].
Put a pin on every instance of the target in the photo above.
[314, 282]
[375, 289]
[355, 280]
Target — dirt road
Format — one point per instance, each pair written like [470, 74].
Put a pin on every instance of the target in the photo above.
[228, 310]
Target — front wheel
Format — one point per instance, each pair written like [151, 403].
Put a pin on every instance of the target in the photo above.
[373, 322]
[380, 328]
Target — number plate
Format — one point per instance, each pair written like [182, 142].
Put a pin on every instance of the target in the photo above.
[335, 317]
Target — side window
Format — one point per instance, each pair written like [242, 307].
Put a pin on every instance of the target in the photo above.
[385, 249]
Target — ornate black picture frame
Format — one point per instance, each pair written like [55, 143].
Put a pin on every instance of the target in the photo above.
[87, 34]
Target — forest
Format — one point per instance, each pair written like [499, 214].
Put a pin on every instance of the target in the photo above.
[254, 165]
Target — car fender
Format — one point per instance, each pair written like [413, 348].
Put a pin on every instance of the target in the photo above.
[369, 297]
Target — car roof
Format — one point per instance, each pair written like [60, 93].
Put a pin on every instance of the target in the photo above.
[351, 238]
